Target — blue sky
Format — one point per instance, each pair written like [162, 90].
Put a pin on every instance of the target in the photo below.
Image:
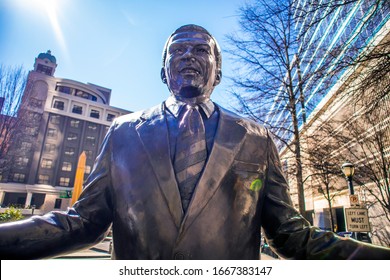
[112, 43]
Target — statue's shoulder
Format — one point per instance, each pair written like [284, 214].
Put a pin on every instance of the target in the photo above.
[249, 124]
[132, 119]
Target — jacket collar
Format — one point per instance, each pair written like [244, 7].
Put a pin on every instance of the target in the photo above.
[175, 106]
[153, 133]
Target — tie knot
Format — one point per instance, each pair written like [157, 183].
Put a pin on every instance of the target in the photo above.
[191, 107]
[191, 119]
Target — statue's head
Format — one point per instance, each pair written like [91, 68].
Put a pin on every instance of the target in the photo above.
[191, 62]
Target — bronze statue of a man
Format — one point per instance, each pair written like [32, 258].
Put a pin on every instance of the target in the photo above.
[186, 179]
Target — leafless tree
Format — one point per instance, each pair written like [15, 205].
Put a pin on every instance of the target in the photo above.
[323, 167]
[360, 135]
[12, 85]
[369, 148]
[270, 86]
[282, 60]
[371, 135]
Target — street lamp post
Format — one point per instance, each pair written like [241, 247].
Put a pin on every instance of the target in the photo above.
[348, 170]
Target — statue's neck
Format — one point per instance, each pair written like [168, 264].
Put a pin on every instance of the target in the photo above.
[192, 100]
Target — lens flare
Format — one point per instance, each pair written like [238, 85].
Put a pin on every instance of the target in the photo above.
[49, 9]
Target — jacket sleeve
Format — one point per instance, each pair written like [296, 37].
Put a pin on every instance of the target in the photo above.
[59, 232]
[291, 236]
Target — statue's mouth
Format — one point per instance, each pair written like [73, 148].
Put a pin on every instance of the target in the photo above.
[189, 70]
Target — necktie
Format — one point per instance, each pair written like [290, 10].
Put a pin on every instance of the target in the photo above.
[190, 154]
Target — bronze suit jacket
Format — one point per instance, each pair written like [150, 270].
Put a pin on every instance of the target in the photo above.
[133, 187]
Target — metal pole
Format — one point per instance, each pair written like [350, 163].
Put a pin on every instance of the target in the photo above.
[351, 191]
[350, 185]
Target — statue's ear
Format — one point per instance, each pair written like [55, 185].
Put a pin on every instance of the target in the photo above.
[218, 78]
[163, 76]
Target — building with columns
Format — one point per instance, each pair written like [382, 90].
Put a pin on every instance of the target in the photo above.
[61, 118]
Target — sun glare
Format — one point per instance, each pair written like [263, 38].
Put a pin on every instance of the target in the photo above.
[49, 9]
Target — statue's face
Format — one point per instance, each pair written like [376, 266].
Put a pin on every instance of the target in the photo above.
[190, 66]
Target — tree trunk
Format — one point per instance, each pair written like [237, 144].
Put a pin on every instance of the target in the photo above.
[297, 146]
[330, 208]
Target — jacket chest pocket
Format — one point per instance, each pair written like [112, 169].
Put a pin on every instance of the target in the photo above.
[249, 175]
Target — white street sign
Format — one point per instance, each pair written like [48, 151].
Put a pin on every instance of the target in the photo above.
[357, 219]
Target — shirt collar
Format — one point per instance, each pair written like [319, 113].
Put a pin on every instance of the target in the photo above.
[175, 106]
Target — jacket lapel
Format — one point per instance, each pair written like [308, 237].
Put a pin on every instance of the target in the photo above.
[153, 133]
[229, 137]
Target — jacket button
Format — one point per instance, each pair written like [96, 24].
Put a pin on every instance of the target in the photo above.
[179, 256]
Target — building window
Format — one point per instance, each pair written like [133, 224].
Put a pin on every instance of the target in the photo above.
[89, 154]
[36, 103]
[85, 95]
[82, 94]
[52, 133]
[63, 89]
[57, 203]
[50, 148]
[21, 162]
[69, 151]
[19, 177]
[32, 131]
[110, 117]
[92, 127]
[90, 140]
[74, 123]
[44, 69]
[66, 166]
[94, 114]
[43, 179]
[64, 181]
[47, 163]
[77, 109]
[55, 119]
[72, 136]
[25, 146]
[60, 105]
[87, 169]
[34, 117]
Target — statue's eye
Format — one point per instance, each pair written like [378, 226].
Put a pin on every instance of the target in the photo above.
[178, 51]
[202, 51]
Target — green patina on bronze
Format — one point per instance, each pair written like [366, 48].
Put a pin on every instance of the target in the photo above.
[256, 185]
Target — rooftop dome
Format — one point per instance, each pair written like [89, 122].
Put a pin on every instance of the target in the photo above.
[48, 56]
